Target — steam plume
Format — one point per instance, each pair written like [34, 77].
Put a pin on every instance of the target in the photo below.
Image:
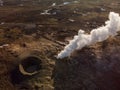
[112, 26]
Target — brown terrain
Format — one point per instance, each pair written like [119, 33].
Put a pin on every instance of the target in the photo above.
[30, 42]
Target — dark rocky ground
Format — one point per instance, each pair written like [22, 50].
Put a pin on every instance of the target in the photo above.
[30, 41]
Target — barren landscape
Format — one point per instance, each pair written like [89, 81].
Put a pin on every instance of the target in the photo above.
[33, 32]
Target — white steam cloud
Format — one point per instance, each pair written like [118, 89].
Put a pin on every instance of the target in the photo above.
[112, 26]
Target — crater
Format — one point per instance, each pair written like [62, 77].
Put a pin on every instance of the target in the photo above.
[28, 67]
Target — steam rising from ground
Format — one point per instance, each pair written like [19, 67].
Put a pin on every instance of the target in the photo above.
[112, 26]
